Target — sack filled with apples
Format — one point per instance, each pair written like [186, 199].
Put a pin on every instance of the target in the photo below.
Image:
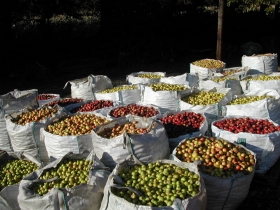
[226, 168]
[261, 82]
[24, 127]
[74, 181]
[190, 80]
[86, 87]
[181, 125]
[13, 168]
[66, 103]
[261, 63]
[124, 94]
[144, 77]
[206, 101]
[262, 136]
[145, 138]
[205, 68]
[11, 102]
[163, 95]
[134, 185]
[256, 103]
[70, 133]
[44, 98]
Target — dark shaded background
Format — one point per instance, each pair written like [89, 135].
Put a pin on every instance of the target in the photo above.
[128, 37]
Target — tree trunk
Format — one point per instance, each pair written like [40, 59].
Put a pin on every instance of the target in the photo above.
[220, 30]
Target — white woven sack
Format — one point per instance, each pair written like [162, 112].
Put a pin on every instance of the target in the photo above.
[184, 79]
[268, 84]
[173, 142]
[26, 138]
[210, 111]
[86, 87]
[83, 197]
[133, 79]
[266, 146]
[234, 85]
[57, 146]
[146, 147]
[265, 108]
[165, 100]
[263, 63]
[204, 73]
[12, 102]
[224, 193]
[43, 102]
[122, 97]
[113, 202]
[8, 195]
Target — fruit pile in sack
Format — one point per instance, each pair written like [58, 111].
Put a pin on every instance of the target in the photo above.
[261, 82]
[91, 106]
[124, 94]
[14, 167]
[162, 184]
[262, 136]
[206, 68]
[261, 63]
[75, 181]
[163, 95]
[190, 80]
[144, 77]
[136, 109]
[226, 168]
[45, 98]
[228, 78]
[257, 103]
[24, 127]
[206, 101]
[66, 103]
[12, 102]
[145, 138]
[70, 133]
[181, 125]
[86, 87]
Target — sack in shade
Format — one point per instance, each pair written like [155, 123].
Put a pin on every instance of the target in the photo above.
[11, 102]
[83, 197]
[86, 87]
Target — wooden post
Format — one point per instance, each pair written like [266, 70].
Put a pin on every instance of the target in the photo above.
[220, 30]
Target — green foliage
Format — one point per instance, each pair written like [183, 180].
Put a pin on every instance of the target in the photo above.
[254, 5]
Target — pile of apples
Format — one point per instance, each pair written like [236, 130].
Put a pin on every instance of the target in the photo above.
[248, 125]
[64, 102]
[134, 109]
[220, 79]
[70, 173]
[34, 115]
[79, 124]
[204, 98]
[119, 88]
[45, 96]
[209, 63]
[182, 123]
[231, 72]
[117, 130]
[93, 105]
[248, 99]
[263, 78]
[13, 171]
[149, 76]
[167, 87]
[157, 184]
[218, 157]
